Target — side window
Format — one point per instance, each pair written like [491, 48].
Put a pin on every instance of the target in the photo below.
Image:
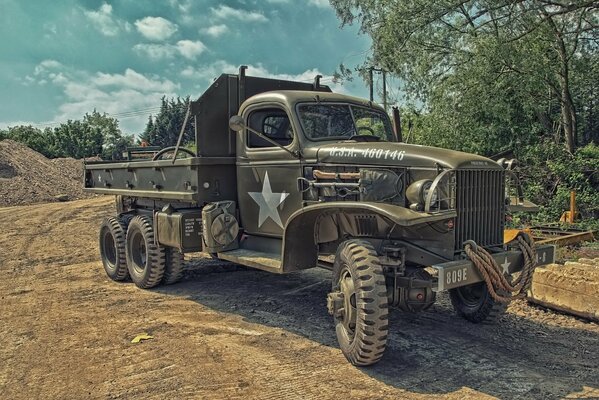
[274, 124]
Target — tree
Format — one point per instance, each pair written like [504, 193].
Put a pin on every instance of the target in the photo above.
[163, 130]
[531, 44]
[78, 140]
[114, 142]
[32, 137]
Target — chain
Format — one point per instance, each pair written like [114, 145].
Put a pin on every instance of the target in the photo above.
[500, 286]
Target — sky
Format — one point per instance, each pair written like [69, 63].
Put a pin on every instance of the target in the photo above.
[61, 59]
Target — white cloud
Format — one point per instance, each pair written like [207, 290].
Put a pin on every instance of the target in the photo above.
[216, 30]
[226, 12]
[306, 76]
[133, 80]
[208, 72]
[46, 65]
[155, 51]
[183, 5]
[319, 3]
[110, 93]
[187, 48]
[190, 49]
[156, 28]
[103, 20]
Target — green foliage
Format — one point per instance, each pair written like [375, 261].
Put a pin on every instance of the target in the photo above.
[95, 135]
[37, 139]
[163, 130]
[114, 142]
[489, 66]
[551, 174]
[488, 77]
[77, 139]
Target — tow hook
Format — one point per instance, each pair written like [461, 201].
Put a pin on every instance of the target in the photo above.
[334, 303]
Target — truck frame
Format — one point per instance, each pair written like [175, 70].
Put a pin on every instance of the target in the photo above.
[288, 176]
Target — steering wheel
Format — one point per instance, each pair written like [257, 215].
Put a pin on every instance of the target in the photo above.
[365, 128]
[371, 137]
[273, 127]
[158, 156]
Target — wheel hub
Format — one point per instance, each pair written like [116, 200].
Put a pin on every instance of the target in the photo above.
[334, 303]
[347, 314]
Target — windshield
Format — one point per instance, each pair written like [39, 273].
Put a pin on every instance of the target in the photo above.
[342, 121]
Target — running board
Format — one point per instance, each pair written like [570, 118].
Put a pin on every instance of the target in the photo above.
[254, 259]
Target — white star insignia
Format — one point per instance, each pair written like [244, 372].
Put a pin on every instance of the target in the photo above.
[506, 266]
[268, 203]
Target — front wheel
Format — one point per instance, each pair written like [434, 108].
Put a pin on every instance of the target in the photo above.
[475, 303]
[358, 303]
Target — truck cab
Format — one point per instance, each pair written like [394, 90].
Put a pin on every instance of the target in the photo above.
[289, 176]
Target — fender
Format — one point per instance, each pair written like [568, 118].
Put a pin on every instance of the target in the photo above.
[303, 253]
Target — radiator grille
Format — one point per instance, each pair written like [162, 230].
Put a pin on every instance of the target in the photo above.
[480, 205]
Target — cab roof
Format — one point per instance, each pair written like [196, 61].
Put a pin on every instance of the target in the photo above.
[290, 98]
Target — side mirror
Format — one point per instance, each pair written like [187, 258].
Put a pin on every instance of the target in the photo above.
[237, 123]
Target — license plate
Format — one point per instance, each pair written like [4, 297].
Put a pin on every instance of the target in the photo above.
[463, 272]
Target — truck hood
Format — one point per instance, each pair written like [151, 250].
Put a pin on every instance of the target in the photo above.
[400, 154]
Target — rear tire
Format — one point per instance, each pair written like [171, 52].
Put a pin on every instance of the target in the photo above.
[145, 260]
[173, 270]
[475, 304]
[112, 248]
[361, 319]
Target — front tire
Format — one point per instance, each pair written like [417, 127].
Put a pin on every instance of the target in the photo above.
[475, 304]
[359, 303]
[145, 259]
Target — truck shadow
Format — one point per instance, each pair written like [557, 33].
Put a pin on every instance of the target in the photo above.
[434, 352]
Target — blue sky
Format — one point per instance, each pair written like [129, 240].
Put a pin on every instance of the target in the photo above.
[61, 59]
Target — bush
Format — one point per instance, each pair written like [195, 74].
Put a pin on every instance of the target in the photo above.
[550, 174]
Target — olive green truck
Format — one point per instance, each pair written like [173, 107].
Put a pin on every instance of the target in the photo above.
[288, 176]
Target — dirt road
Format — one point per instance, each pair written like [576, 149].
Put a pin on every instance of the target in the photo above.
[65, 332]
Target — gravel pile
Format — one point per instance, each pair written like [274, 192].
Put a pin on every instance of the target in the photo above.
[28, 177]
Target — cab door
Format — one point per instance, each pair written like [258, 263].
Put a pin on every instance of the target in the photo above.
[266, 174]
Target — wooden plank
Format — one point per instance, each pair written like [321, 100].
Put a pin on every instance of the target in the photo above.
[569, 239]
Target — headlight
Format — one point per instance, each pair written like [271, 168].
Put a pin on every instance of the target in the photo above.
[419, 190]
[426, 188]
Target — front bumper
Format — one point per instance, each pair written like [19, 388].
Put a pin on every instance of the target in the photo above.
[454, 274]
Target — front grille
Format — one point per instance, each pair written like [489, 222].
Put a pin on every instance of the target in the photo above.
[480, 205]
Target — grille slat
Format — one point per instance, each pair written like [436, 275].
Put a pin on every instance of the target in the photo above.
[480, 206]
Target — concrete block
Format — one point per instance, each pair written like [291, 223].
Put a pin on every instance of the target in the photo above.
[572, 287]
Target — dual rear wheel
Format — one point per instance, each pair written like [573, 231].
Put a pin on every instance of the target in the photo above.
[128, 249]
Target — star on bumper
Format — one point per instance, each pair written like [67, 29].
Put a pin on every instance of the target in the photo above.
[506, 266]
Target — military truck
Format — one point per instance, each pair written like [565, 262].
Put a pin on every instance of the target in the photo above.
[288, 176]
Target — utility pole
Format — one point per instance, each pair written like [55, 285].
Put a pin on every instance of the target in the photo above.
[384, 89]
[371, 71]
[371, 82]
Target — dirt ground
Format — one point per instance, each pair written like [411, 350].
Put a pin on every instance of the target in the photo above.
[66, 331]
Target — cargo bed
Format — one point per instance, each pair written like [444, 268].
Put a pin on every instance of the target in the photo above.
[194, 179]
